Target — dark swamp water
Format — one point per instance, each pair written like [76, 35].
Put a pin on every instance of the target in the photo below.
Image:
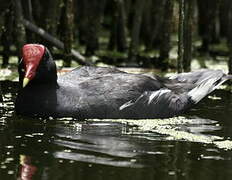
[197, 145]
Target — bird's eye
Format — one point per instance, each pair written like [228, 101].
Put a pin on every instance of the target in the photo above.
[23, 70]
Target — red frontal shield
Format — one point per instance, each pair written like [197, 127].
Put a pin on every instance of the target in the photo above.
[32, 55]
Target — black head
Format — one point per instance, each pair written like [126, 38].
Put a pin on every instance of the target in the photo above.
[36, 66]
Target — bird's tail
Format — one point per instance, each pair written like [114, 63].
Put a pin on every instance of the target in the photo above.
[207, 86]
[228, 77]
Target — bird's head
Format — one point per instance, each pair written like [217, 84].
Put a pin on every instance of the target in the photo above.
[36, 64]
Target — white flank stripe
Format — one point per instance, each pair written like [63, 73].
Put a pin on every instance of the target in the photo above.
[202, 90]
[157, 93]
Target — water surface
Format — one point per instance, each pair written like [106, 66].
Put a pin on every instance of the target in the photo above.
[196, 145]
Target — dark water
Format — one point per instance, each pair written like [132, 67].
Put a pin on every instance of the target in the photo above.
[195, 146]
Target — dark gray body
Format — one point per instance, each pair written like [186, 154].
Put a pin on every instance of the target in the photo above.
[91, 92]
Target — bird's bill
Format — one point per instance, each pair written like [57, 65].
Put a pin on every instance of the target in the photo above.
[25, 81]
[30, 71]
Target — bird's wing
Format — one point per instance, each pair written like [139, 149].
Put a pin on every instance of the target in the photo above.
[167, 103]
[158, 104]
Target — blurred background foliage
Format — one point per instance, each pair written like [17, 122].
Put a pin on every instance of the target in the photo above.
[120, 32]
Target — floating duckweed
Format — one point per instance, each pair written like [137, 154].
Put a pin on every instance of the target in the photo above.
[37, 134]
[67, 150]
[171, 173]
[133, 160]
[9, 159]
[168, 127]
[227, 144]
[3, 167]
[10, 172]
[29, 135]
[212, 157]
[214, 97]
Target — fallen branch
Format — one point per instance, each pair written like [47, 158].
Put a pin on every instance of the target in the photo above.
[56, 42]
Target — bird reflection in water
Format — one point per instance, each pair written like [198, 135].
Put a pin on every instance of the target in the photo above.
[26, 169]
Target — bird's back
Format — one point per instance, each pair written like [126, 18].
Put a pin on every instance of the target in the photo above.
[99, 92]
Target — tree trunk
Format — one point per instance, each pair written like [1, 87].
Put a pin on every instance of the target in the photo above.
[208, 11]
[68, 31]
[1, 25]
[223, 14]
[181, 36]
[37, 12]
[118, 27]
[147, 23]
[89, 20]
[80, 20]
[165, 45]
[113, 26]
[121, 29]
[27, 9]
[52, 18]
[19, 27]
[51, 12]
[4, 7]
[229, 37]
[188, 23]
[153, 20]
[136, 27]
[7, 36]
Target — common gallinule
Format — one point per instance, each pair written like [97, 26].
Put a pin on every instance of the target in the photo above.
[97, 92]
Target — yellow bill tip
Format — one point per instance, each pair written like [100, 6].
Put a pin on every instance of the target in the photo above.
[25, 82]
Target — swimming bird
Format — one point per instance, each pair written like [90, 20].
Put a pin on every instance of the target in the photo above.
[100, 92]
